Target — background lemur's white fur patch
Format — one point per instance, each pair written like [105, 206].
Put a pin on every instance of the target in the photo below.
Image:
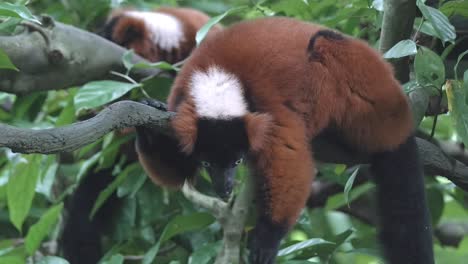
[166, 30]
[217, 94]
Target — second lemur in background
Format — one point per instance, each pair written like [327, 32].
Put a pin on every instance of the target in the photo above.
[167, 34]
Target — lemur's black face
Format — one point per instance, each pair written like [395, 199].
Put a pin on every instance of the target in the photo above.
[221, 146]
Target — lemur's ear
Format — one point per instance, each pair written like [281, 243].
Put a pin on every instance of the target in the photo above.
[258, 126]
[185, 126]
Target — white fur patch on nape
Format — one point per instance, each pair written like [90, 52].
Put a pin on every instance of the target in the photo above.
[217, 94]
[166, 30]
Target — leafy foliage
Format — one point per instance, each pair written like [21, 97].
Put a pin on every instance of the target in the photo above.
[33, 188]
[5, 62]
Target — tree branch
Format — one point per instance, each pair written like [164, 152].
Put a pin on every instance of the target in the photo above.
[128, 114]
[397, 25]
[71, 137]
[434, 161]
[58, 56]
[232, 219]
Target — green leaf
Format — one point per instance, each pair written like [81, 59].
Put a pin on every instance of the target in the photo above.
[299, 262]
[205, 253]
[12, 260]
[458, 7]
[19, 11]
[343, 236]
[129, 65]
[266, 11]
[178, 225]
[67, 116]
[127, 59]
[52, 260]
[112, 147]
[39, 230]
[349, 185]
[115, 259]
[403, 48]
[6, 96]
[435, 200]
[28, 106]
[455, 68]
[458, 108]
[428, 29]
[155, 65]
[184, 223]
[465, 84]
[425, 27]
[339, 169]
[98, 93]
[126, 218]
[445, 30]
[303, 245]
[133, 182]
[338, 200]
[116, 247]
[21, 189]
[429, 68]
[107, 192]
[87, 165]
[158, 87]
[5, 62]
[47, 177]
[203, 31]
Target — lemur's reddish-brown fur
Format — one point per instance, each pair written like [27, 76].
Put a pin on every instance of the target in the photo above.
[192, 20]
[163, 175]
[297, 79]
[302, 94]
[159, 171]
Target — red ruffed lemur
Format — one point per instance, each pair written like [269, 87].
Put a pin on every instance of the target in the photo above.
[165, 34]
[260, 91]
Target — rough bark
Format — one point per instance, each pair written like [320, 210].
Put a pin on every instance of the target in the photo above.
[58, 56]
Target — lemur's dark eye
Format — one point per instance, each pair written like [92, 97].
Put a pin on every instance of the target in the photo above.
[239, 161]
[205, 164]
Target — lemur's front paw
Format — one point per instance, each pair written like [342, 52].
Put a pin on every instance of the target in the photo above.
[265, 241]
[154, 103]
[259, 254]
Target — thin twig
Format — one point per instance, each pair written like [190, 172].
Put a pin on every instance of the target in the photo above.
[126, 77]
[39, 29]
[434, 124]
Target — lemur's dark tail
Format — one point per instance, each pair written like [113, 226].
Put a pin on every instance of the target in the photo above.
[81, 238]
[405, 226]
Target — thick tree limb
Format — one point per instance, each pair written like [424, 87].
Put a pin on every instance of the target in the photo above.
[57, 56]
[68, 138]
[127, 114]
